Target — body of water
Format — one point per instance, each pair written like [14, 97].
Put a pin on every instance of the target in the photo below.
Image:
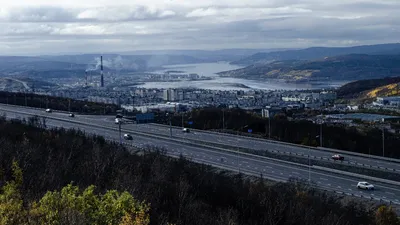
[219, 83]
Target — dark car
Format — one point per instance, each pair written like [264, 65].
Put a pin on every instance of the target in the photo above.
[118, 116]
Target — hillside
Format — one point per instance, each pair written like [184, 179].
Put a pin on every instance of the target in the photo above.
[366, 91]
[338, 68]
[371, 86]
[23, 84]
[75, 65]
[132, 62]
[177, 191]
[319, 52]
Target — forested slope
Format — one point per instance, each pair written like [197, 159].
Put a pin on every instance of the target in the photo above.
[176, 190]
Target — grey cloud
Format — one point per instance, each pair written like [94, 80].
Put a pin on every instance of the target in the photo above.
[295, 24]
[109, 14]
[39, 14]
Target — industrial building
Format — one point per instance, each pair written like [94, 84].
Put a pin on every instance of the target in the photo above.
[393, 102]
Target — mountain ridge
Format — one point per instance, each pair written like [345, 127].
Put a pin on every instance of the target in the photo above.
[314, 53]
[337, 68]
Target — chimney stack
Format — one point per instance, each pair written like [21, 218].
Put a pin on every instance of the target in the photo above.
[101, 71]
[85, 78]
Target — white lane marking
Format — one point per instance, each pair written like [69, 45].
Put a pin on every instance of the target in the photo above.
[323, 178]
[390, 193]
[339, 187]
[296, 172]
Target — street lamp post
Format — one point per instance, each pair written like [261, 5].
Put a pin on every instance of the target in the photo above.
[170, 125]
[237, 134]
[320, 134]
[119, 128]
[269, 127]
[309, 167]
[223, 120]
[383, 142]
[237, 158]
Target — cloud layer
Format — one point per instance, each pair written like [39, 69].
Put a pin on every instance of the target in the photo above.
[51, 27]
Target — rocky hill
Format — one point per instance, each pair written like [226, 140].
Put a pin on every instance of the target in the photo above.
[338, 68]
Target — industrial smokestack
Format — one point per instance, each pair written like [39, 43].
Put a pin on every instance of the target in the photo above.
[101, 71]
[86, 78]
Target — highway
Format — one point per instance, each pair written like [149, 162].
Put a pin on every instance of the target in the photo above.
[249, 164]
[233, 141]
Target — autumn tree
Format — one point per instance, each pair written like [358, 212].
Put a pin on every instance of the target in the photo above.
[386, 216]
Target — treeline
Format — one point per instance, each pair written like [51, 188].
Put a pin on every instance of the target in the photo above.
[354, 89]
[367, 141]
[56, 103]
[69, 206]
[176, 190]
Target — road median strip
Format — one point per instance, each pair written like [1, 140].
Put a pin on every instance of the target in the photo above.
[296, 145]
[200, 145]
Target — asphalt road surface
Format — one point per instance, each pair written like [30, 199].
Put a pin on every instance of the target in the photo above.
[255, 165]
[212, 137]
[245, 142]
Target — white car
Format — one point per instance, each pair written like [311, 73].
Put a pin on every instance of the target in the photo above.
[128, 137]
[365, 185]
[48, 110]
[185, 130]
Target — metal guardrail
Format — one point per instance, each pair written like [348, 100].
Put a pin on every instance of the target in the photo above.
[35, 108]
[259, 139]
[199, 145]
[357, 175]
[251, 173]
[364, 196]
[360, 154]
[292, 144]
[360, 165]
[341, 162]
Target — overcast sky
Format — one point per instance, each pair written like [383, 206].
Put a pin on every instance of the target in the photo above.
[84, 26]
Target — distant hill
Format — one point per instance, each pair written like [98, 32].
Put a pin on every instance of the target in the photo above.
[337, 68]
[319, 52]
[207, 55]
[136, 62]
[367, 90]
[76, 65]
[23, 84]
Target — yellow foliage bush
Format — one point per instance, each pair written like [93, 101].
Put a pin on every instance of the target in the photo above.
[70, 206]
